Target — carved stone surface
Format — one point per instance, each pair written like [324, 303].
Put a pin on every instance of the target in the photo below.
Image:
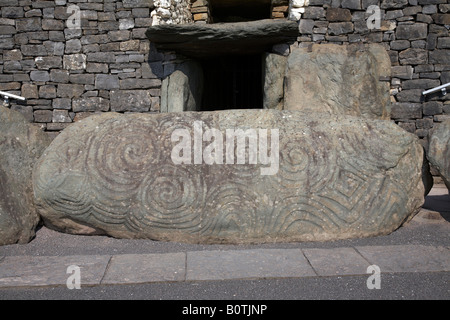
[338, 177]
[337, 79]
[439, 151]
[21, 144]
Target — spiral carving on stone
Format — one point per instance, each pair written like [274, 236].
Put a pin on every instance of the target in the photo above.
[120, 154]
[171, 196]
[305, 163]
[231, 209]
[337, 178]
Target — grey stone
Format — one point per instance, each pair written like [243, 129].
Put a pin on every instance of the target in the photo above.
[121, 35]
[106, 82]
[318, 79]
[204, 40]
[30, 91]
[83, 78]
[441, 18]
[427, 2]
[338, 28]
[439, 150]
[412, 31]
[445, 77]
[393, 4]
[73, 46]
[314, 13]
[414, 56]
[70, 90]
[26, 111]
[244, 264]
[439, 56]
[182, 90]
[351, 4]
[60, 76]
[62, 103]
[402, 72]
[144, 268]
[75, 61]
[61, 116]
[431, 41]
[408, 258]
[94, 39]
[306, 26]
[90, 104]
[33, 50]
[93, 67]
[394, 14]
[47, 92]
[52, 24]
[46, 63]
[21, 145]
[40, 76]
[413, 95]
[338, 15]
[129, 84]
[29, 24]
[51, 270]
[443, 43]
[102, 57]
[337, 261]
[411, 11]
[402, 110]
[12, 12]
[130, 100]
[6, 43]
[429, 9]
[12, 66]
[338, 177]
[152, 70]
[43, 116]
[138, 3]
[274, 71]
[7, 30]
[54, 48]
[420, 84]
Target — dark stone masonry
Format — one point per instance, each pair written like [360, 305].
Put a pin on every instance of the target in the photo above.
[108, 64]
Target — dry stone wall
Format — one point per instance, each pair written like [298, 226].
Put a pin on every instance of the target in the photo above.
[107, 64]
[415, 34]
[68, 71]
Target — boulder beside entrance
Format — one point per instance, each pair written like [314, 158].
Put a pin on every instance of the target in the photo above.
[21, 145]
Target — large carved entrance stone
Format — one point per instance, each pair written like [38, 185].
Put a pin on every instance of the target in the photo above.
[325, 177]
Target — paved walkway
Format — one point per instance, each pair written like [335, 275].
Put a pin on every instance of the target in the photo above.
[202, 265]
[32, 271]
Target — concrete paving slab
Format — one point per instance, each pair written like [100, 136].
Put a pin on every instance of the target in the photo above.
[143, 268]
[247, 264]
[407, 258]
[28, 271]
[338, 261]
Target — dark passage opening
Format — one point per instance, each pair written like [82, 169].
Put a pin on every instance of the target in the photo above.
[232, 83]
[240, 10]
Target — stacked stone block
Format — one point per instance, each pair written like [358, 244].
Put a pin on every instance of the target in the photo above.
[69, 73]
[280, 9]
[201, 11]
[416, 35]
